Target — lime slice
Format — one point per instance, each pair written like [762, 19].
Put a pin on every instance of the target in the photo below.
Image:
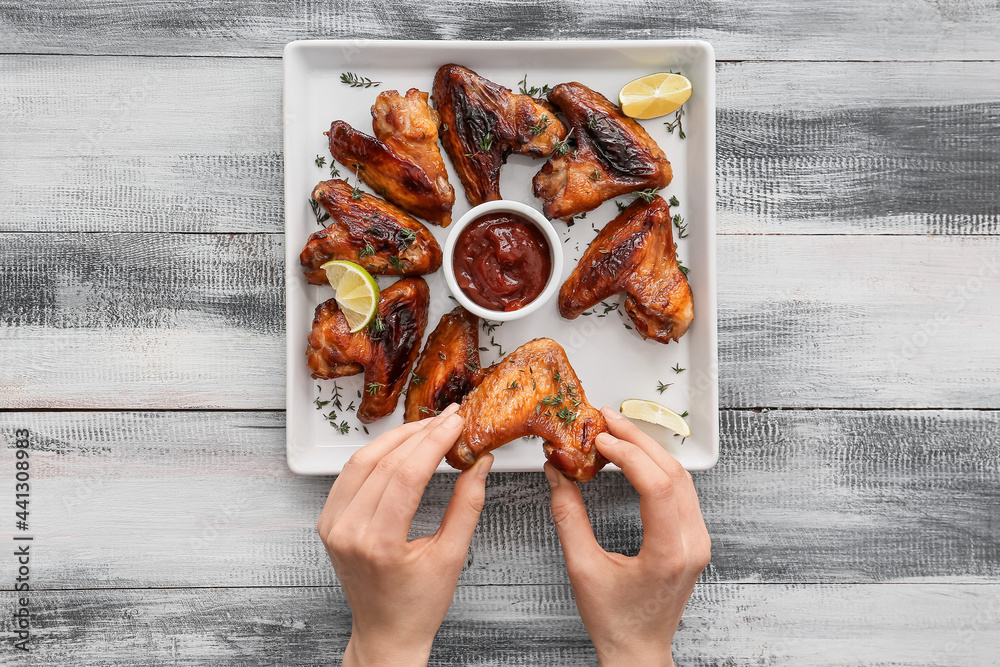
[650, 411]
[654, 95]
[356, 292]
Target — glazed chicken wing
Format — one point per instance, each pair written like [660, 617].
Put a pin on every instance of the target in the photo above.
[614, 155]
[402, 161]
[635, 254]
[385, 352]
[533, 391]
[482, 123]
[448, 368]
[368, 231]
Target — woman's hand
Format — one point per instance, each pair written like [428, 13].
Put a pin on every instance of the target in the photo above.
[631, 607]
[399, 591]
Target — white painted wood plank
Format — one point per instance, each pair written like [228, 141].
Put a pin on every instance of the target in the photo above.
[791, 29]
[800, 626]
[154, 499]
[196, 321]
[194, 144]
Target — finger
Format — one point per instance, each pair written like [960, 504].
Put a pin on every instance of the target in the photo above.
[357, 469]
[465, 506]
[688, 506]
[661, 527]
[399, 503]
[364, 503]
[572, 524]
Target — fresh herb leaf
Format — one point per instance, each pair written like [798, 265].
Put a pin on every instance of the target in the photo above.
[376, 328]
[533, 91]
[355, 81]
[320, 160]
[674, 201]
[321, 215]
[677, 368]
[648, 195]
[538, 128]
[406, 237]
[681, 226]
[372, 388]
[662, 387]
[563, 147]
[369, 249]
[677, 124]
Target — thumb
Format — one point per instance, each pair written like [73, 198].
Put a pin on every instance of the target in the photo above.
[465, 506]
[570, 517]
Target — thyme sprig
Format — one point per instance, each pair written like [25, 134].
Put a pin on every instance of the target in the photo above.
[357, 81]
[677, 124]
[321, 215]
[532, 91]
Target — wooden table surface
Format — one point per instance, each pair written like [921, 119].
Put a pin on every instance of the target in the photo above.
[855, 510]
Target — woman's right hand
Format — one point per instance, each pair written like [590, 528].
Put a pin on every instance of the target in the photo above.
[631, 606]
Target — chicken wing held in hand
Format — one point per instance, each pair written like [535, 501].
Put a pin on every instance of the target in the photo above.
[448, 367]
[385, 350]
[635, 254]
[402, 161]
[533, 391]
[368, 231]
[614, 156]
[482, 123]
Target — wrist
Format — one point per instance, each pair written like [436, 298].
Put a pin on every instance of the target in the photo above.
[630, 656]
[385, 651]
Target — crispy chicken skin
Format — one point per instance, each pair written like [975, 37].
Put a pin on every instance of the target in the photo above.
[408, 126]
[448, 367]
[635, 254]
[614, 156]
[369, 231]
[402, 161]
[386, 359]
[533, 391]
[482, 123]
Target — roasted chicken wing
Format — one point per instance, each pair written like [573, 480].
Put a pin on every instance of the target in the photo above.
[613, 156]
[482, 123]
[533, 391]
[369, 231]
[448, 368]
[402, 161]
[635, 254]
[385, 350]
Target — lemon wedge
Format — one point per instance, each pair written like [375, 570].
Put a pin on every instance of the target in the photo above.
[356, 292]
[650, 411]
[654, 95]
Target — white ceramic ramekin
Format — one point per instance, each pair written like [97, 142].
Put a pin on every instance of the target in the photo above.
[526, 212]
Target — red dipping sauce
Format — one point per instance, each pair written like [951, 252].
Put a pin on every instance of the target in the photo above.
[502, 261]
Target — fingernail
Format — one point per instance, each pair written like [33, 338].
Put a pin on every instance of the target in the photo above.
[611, 414]
[451, 409]
[452, 421]
[552, 476]
[484, 466]
[606, 439]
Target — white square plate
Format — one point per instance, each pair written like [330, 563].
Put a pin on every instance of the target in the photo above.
[613, 362]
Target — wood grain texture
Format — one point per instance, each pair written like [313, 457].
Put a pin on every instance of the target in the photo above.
[194, 145]
[196, 321]
[143, 500]
[792, 29]
[911, 625]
